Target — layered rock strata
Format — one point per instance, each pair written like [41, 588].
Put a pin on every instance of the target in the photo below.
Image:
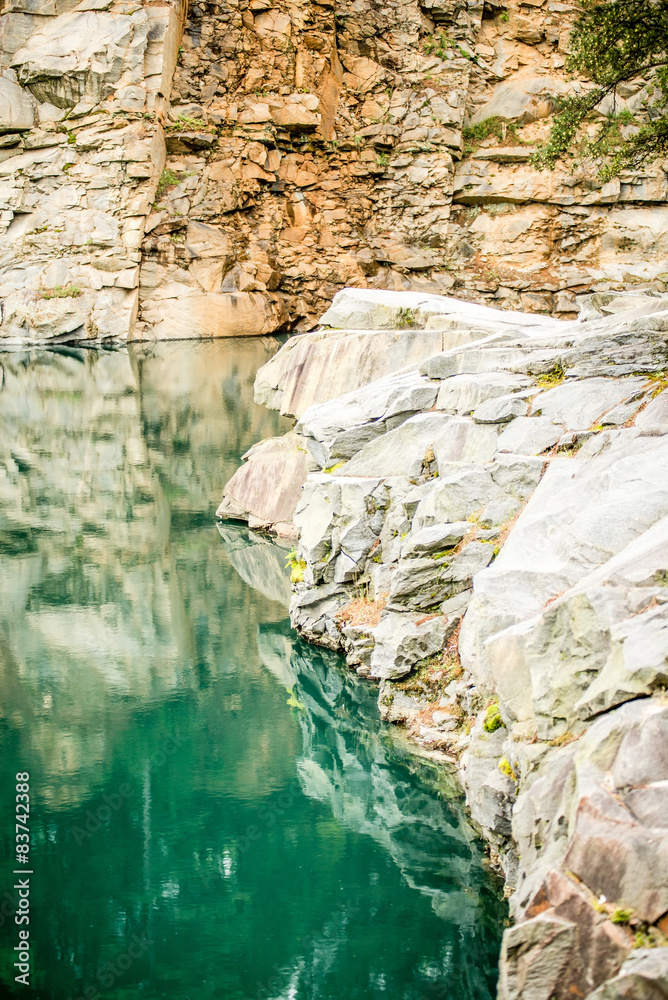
[269, 155]
[83, 92]
[485, 535]
[389, 147]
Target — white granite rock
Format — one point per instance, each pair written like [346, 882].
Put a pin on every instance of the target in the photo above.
[577, 404]
[529, 435]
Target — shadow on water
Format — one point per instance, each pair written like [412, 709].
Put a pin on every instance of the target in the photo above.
[217, 811]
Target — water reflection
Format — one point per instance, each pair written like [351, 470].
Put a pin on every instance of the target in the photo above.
[217, 812]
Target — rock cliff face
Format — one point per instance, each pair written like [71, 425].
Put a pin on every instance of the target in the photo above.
[485, 535]
[83, 89]
[268, 155]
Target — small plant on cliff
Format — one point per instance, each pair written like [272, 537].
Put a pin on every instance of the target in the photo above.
[406, 319]
[168, 178]
[657, 382]
[297, 566]
[505, 767]
[473, 135]
[613, 42]
[621, 916]
[493, 720]
[62, 292]
[438, 45]
[184, 123]
[555, 376]
[646, 937]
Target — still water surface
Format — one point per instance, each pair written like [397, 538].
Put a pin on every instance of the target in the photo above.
[216, 810]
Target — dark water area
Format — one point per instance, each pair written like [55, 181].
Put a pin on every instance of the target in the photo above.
[216, 811]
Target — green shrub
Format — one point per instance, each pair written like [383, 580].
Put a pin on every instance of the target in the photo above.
[493, 720]
[62, 292]
[505, 767]
[475, 134]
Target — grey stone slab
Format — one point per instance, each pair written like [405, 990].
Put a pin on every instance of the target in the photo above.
[462, 440]
[529, 436]
[400, 452]
[402, 640]
[500, 410]
[434, 539]
[654, 417]
[461, 394]
[577, 404]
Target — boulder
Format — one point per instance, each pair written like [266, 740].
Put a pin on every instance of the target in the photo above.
[654, 417]
[529, 435]
[462, 394]
[316, 367]
[524, 98]
[456, 496]
[400, 452]
[339, 429]
[425, 582]
[534, 958]
[580, 516]
[468, 361]
[500, 410]
[463, 440]
[177, 312]
[434, 539]
[313, 611]
[575, 812]
[403, 640]
[517, 475]
[420, 583]
[378, 309]
[643, 976]
[27, 315]
[17, 107]
[489, 792]
[295, 118]
[576, 405]
[532, 953]
[339, 521]
[266, 489]
[81, 55]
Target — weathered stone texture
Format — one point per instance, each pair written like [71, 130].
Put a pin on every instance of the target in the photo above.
[273, 155]
[514, 484]
[327, 144]
[82, 152]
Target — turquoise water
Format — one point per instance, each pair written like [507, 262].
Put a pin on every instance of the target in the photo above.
[216, 810]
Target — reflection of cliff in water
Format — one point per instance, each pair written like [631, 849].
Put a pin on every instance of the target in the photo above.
[259, 561]
[351, 761]
[134, 654]
[109, 463]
